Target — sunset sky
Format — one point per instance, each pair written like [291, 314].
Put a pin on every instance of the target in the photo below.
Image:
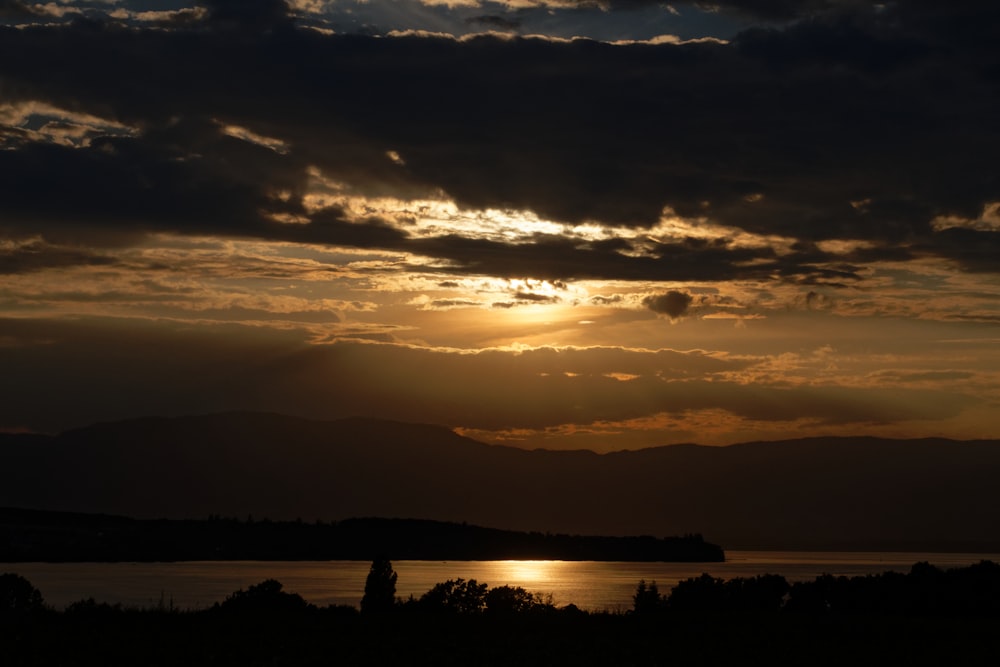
[544, 223]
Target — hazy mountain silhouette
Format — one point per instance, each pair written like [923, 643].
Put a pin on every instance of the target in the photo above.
[819, 492]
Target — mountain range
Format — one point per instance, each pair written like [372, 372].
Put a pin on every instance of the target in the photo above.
[829, 493]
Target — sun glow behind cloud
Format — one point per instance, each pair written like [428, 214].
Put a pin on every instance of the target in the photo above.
[440, 215]
[43, 122]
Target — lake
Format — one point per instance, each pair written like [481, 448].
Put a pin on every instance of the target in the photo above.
[590, 585]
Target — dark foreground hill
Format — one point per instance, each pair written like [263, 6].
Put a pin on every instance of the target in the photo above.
[31, 535]
[813, 493]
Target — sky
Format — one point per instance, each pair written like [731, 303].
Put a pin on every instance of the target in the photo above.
[543, 223]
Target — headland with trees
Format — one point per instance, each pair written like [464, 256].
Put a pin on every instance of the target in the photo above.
[31, 535]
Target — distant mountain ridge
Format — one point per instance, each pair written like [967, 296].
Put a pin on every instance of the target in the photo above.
[864, 493]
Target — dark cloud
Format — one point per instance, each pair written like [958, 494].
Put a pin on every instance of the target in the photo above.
[190, 177]
[532, 297]
[248, 14]
[673, 303]
[817, 301]
[781, 10]
[455, 303]
[16, 9]
[185, 17]
[976, 249]
[187, 177]
[925, 376]
[36, 256]
[558, 258]
[770, 10]
[495, 21]
[865, 123]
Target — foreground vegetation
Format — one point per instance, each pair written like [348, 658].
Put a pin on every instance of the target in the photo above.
[928, 616]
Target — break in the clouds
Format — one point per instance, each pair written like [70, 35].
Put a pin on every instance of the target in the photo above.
[743, 180]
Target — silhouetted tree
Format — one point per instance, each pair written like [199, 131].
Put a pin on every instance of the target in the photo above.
[765, 592]
[816, 596]
[508, 600]
[926, 590]
[457, 596]
[647, 598]
[975, 589]
[380, 588]
[18, 596]
[702, 593]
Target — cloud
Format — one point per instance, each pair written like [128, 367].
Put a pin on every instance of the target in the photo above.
[773, 10]
[780, 133]
[16, 9]
[249, 14]
[816, 301]
[163, 18]
[495, 21]
[34, 255]
[674, 304]
[779, 10]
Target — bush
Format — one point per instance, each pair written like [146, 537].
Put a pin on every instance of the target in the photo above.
[92, 608]
[266, 596]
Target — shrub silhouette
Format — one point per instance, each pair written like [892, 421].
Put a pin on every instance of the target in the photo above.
[92, 608]
[266, 596]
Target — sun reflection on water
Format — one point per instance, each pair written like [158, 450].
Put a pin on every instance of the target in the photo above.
[525, 570]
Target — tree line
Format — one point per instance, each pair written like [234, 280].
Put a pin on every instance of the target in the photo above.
[926, 616]
[925, 590]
